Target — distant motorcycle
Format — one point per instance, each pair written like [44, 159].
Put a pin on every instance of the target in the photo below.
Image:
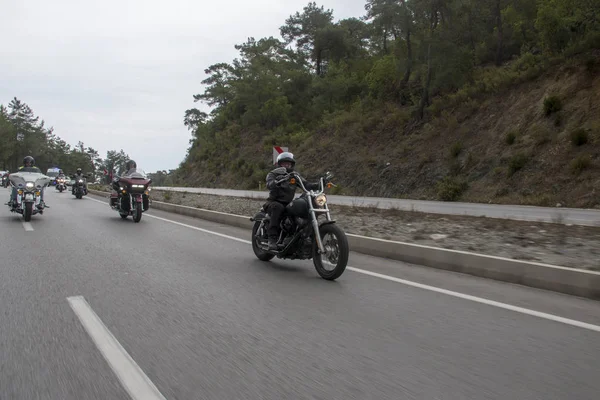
[79, 187]
[29, 187]
[131, 196]
[302, 235]
[61, 184]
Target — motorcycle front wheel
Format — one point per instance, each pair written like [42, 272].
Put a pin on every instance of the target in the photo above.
[332, 264]
[258, 252]
[28, 211]
[137, 213]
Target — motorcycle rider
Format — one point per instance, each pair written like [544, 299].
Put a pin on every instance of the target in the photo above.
[129, 168]
[79, 175]
[281, 193]
[61, 175]
[28, 166]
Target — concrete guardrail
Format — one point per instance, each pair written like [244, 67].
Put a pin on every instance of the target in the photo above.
[571, 281]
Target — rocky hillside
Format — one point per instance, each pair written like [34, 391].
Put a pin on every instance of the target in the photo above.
[428, 100]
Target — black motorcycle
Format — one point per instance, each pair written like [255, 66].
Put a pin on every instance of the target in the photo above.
[79, 189]
[303, 235]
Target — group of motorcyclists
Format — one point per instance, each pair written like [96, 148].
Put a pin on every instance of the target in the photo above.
[29, 166]
[281, 188]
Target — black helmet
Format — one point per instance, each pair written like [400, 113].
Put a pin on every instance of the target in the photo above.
[130, 164]
[286, 156]
[79, 170]
[28, 160]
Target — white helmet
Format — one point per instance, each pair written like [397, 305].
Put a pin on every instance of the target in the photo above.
[286, 156]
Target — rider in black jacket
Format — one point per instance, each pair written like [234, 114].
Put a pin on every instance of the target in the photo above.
[281, 193]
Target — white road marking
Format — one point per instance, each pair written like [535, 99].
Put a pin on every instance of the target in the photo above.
[190, 226]
[201, 229]
[133, 379]
[459, 295]
[28, 227]
[481, 300]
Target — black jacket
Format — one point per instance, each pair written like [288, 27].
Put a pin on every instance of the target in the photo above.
[284, 192]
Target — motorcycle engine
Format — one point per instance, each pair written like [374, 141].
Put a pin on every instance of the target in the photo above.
[287, 225]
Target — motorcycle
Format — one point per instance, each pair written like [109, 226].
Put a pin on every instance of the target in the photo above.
[61, 184]
[29, 187]
[79, 189]
[131, 196]
[302, 235]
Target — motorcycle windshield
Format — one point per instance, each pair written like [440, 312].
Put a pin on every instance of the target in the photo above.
[137, 173]
[20, 179]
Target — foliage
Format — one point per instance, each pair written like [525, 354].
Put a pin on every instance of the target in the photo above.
[22, 133]
[418, 56]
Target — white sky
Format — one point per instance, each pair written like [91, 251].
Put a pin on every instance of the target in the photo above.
[121, 73]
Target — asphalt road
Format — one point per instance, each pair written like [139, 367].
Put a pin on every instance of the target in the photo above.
[201, 318]
[574, 216]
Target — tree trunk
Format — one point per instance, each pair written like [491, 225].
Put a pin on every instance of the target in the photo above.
[385, 41]
[425, 96]
[500, 33]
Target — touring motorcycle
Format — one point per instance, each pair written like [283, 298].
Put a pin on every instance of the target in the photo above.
[61, 184]
[132, 195]
[302, 235]
[29, 187]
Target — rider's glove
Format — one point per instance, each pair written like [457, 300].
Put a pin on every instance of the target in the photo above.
[282, 178]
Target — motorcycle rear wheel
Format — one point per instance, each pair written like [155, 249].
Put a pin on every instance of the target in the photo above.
[258, 252]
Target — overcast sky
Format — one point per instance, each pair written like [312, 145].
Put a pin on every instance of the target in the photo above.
[121, 73]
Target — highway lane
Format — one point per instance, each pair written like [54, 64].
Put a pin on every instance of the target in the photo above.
[204, 319]
[575, 216]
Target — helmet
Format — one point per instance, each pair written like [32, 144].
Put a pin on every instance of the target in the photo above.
[130, 164]
[60, 171]
[79, 171]
[28, 160]
[286, 156]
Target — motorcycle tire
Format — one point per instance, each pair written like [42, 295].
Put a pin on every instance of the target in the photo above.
[258, 252]
[137, 213]
[342, 256]
[28, 211]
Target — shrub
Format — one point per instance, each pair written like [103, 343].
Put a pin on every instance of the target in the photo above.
[552, 104]
[517, 162]
[450, 188]
[510, 138]
[579, 137]
[580, 163]
[456, 149]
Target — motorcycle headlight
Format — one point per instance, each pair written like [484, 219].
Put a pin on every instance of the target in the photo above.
[320, 200]
[29, 185]
[80, 181]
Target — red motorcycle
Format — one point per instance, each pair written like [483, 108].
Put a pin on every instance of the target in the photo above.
[132, 195]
